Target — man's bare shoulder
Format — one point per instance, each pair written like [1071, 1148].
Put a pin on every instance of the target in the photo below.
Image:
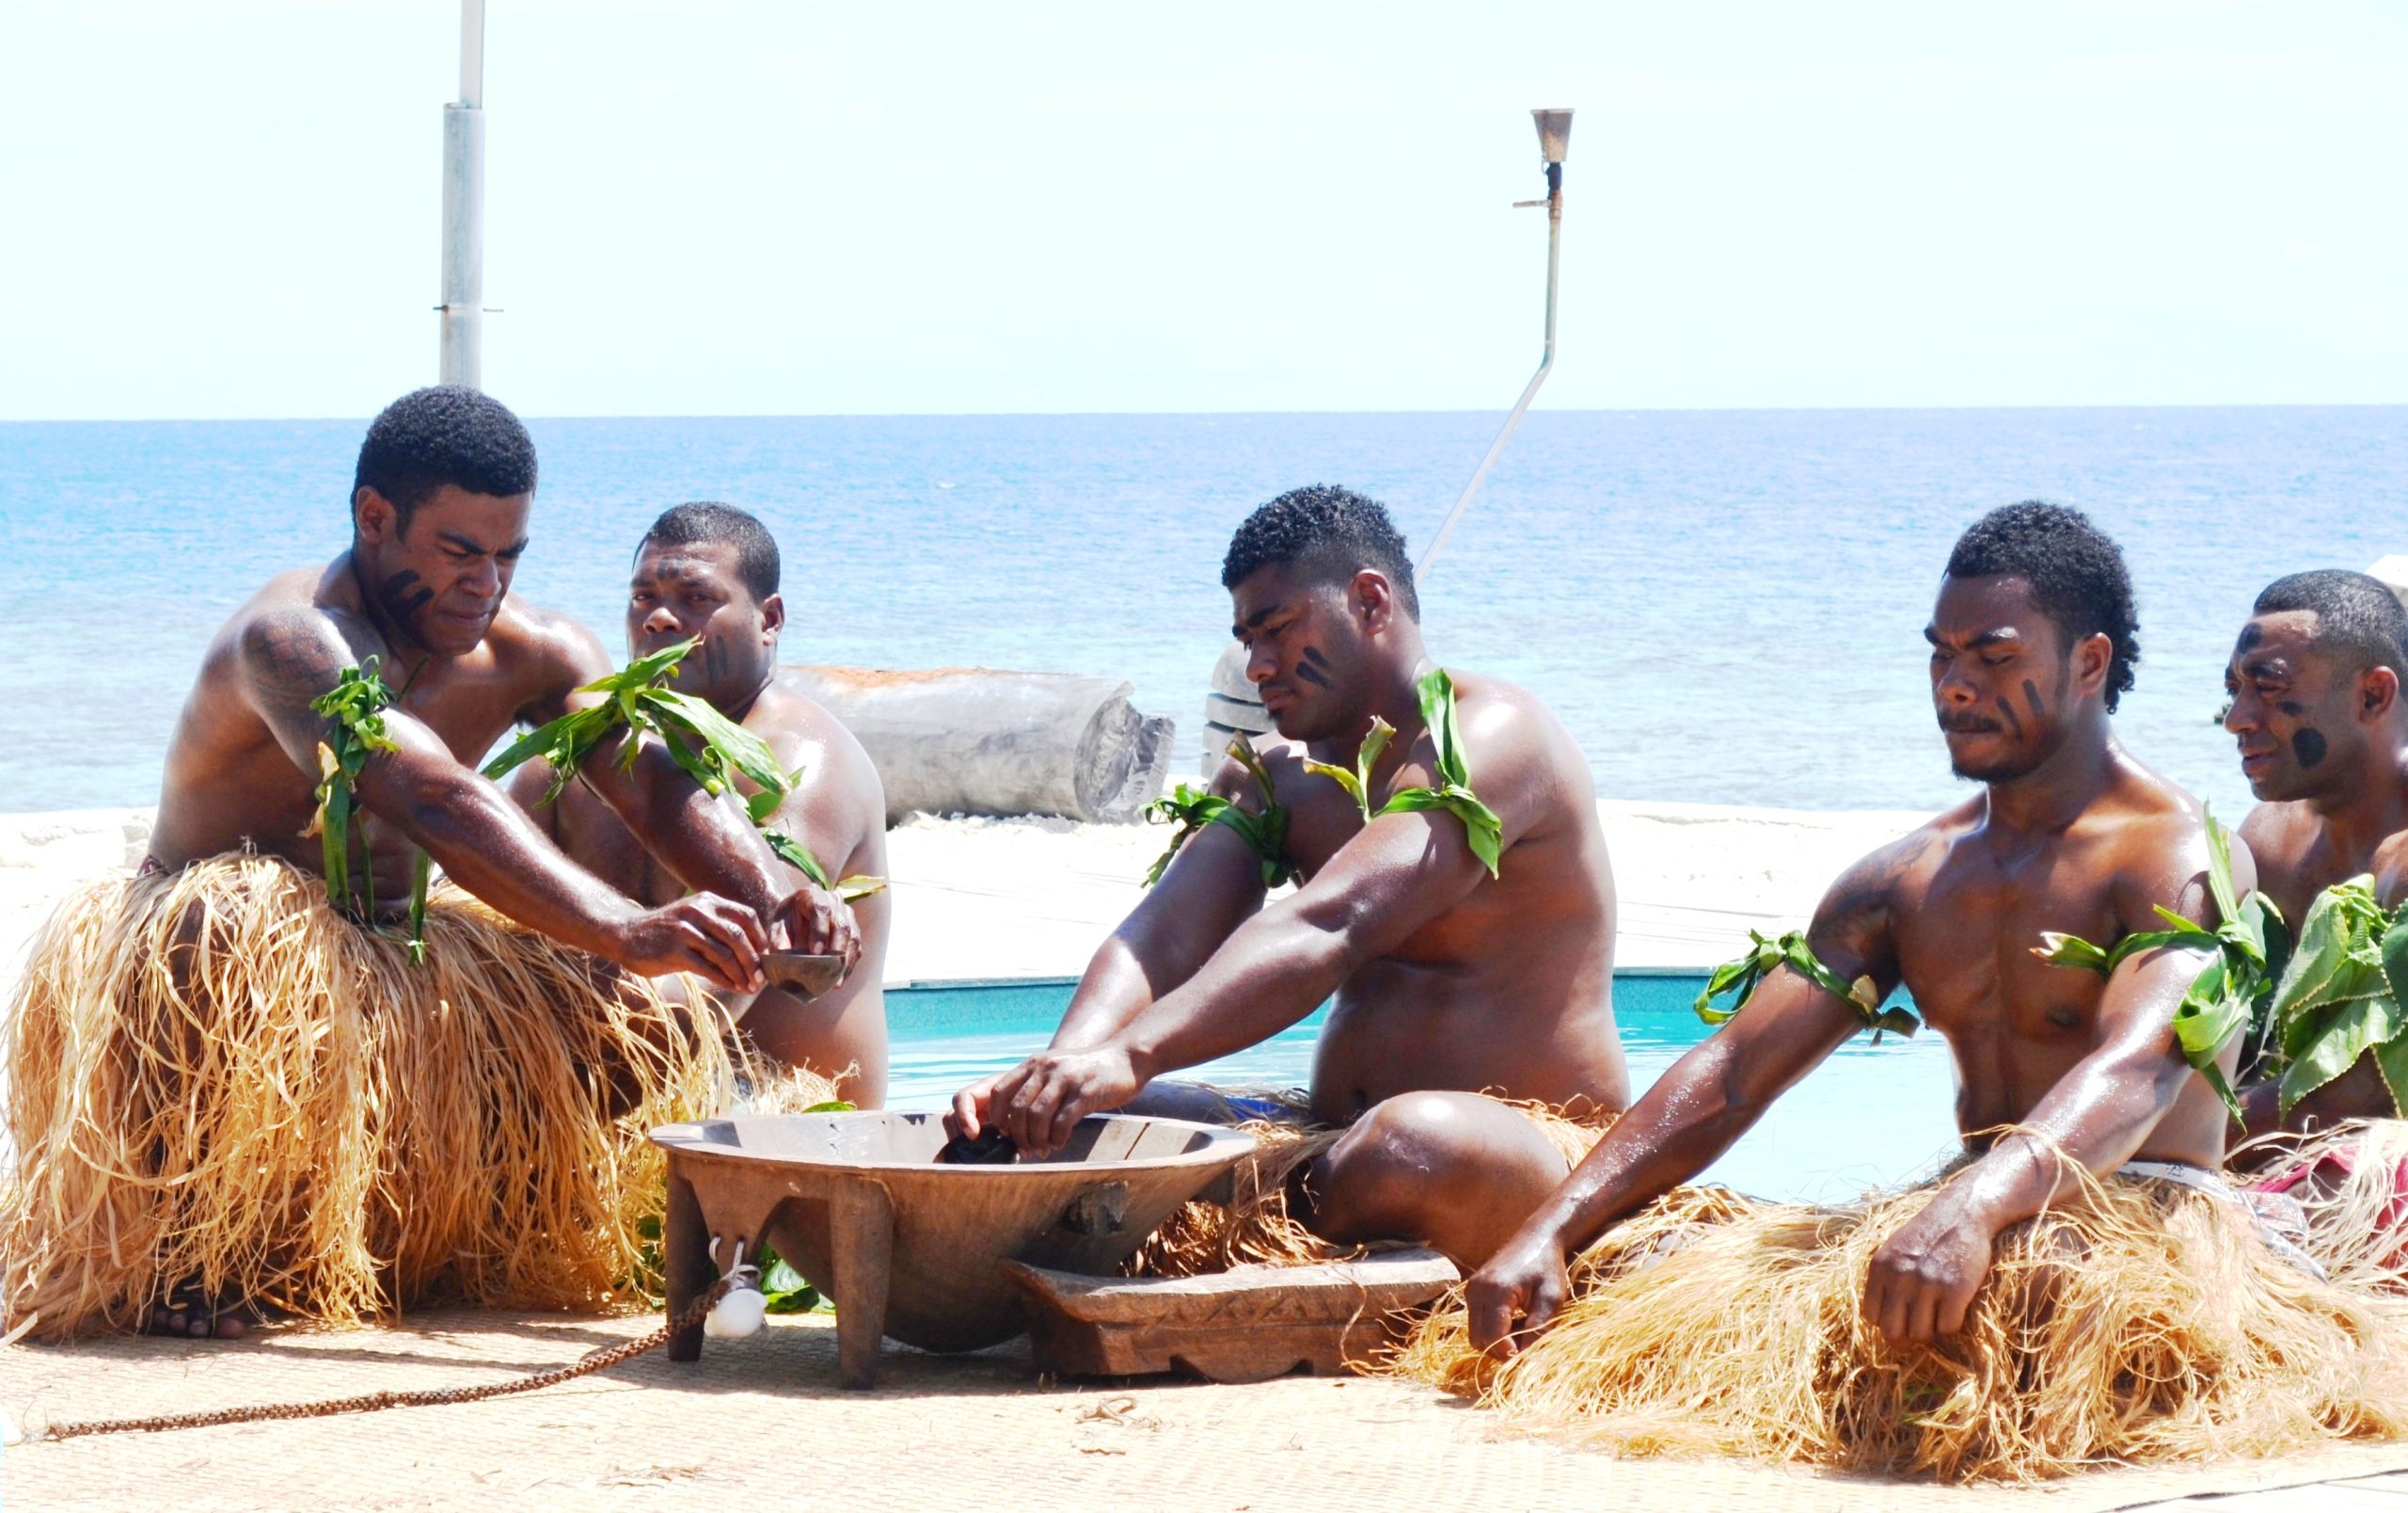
[795, 724]
[2279, 836]
[2153, 835]
[545, 644]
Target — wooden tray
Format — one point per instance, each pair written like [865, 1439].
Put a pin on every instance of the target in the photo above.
[1248, 1324]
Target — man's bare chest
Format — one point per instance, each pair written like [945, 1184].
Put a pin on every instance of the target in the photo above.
[1966, 947]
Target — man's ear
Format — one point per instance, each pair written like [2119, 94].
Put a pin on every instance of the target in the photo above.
[773, 615]
[1372, 597]
[2091, 656]
[374, 519]
[2378, 693]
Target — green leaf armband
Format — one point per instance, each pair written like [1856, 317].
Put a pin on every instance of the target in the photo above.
[354, 711]
[709, 747]
[1742, 976]
[1483, 829]
[2343, 995]
[2224, 1000]
[1192, 809]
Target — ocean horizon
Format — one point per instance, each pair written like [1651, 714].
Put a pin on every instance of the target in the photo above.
[1724, 606]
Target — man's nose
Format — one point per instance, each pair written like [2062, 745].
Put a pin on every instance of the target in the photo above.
[659, 622]
[1957, 688]
[2240, 714]
[485, 579]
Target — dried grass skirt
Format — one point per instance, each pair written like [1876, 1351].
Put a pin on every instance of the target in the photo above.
[2147, 1321]
[216, 1080]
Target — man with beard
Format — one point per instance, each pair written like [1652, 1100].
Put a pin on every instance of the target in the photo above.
[1452, 977]
[708, 573]
[273, 1069]
[2316, 710]
[2078, 1108]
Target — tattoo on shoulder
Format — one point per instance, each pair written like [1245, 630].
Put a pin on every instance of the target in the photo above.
[292, 655]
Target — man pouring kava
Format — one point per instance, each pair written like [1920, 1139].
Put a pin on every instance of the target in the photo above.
[235, 1087]
[2081, 1284]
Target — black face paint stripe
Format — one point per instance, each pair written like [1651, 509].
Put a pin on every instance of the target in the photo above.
[2014, 721]
[399, 599]
[1310, 668]
[2032, 697]
[2308, 746]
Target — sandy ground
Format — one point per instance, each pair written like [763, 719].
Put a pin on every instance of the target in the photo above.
[1031, 897]
[761, 1423]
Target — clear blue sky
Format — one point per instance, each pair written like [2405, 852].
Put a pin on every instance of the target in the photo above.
[231, 209]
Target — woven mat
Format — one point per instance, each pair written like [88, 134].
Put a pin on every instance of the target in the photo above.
[763, 1417]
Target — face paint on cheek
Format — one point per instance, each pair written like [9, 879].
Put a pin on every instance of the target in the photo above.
[2014, 721]
[1309, 669]
[404, 595]
[2308, 746]
[2032, 697]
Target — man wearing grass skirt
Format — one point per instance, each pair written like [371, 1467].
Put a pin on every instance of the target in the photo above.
[2081, 1283]
[1467, 941]
[707, 573]
[270, 1073]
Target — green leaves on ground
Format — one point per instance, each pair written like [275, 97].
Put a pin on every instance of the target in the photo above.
[354, 708]
[1192, 809]
[2247, 946]
[712, 749]
[1483, 829]
[1764, 957]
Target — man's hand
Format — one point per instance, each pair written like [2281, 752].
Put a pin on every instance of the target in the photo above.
[718, 938]
[815, 922]
[1517, 1293]
[1037, 1103]
[972, 1110]
[1923, 1280]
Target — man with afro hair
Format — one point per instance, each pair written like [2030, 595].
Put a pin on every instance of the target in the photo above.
[1451, 982]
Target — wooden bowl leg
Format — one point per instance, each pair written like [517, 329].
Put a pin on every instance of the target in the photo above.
[685, 1256]
[861, 1239]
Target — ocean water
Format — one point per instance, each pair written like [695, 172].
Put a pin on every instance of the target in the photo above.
[1723, 606]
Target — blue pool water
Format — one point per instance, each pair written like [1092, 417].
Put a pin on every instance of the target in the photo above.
[1870, 1116]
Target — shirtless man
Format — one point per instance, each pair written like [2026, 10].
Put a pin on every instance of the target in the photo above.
[2032, 642]
[1447, 981]
[440, 518]
[2324, 735]
[711, 571]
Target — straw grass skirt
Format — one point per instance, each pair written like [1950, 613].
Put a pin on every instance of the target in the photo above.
[1257, 1225]
[2144, 1321]
[216, 1080]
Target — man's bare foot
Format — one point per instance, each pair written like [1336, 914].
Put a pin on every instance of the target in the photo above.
[189, 1314]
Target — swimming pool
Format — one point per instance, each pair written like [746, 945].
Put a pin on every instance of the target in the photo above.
[1870, 1116]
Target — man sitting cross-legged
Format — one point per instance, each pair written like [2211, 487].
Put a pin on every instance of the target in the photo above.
[709, 572]
[2082, 1286]
[272, 1069]
[1451, 978]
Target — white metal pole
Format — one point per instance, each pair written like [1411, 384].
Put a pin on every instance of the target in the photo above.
[464, 209]
[1555, 128]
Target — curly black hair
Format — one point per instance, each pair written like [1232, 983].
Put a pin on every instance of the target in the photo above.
[1329, 535]
[2357, 617]
[445, 435]
[2076, 574]
[756, 550]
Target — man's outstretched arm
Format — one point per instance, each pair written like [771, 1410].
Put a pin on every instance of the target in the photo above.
[1213, 886]
[1697, 1109]
[706, 842]
[484, 842]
